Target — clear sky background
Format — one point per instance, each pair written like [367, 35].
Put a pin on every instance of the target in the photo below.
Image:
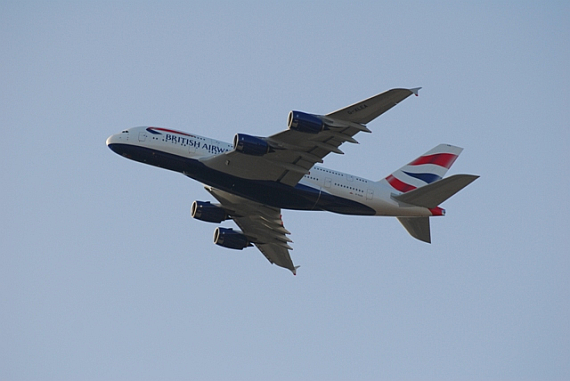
[105, 275]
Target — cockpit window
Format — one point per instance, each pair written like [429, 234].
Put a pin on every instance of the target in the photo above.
[125, 132]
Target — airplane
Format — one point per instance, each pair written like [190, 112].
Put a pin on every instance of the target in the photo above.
[254, 178]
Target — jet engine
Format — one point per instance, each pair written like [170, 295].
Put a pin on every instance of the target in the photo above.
[230, 238]
[204, 211]
[250, 145]
[303, 122]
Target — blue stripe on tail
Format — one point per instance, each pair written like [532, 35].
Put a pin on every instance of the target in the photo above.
[425, 177]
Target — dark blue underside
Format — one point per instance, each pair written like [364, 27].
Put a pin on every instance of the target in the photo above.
[271, 193]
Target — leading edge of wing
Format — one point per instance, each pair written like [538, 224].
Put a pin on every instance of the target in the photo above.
[369, 109]
[261, 224]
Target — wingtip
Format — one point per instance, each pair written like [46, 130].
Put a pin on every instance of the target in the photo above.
[294, 271]
[416, 91]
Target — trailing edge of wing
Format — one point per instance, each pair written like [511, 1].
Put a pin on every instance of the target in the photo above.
[261, 224]
[293, 153]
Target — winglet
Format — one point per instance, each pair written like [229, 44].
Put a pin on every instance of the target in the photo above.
[416, 91]
[295, 270]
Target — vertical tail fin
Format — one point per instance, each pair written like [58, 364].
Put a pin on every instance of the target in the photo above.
[420, 183]
[426, 169]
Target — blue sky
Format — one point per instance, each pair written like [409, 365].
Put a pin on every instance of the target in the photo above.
[105, 275]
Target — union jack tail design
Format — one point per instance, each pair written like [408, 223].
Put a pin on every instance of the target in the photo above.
[426, 169]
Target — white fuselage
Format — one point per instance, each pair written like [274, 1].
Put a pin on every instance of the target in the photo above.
[154, 143]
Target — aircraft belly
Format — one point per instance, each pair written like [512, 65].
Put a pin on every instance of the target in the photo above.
[154, 157]
[393, 209]
[300, 197]
[341, 205]
[385, 205]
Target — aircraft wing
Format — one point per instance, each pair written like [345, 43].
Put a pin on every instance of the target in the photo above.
[261, 224]
[369, 109]
[293, 153]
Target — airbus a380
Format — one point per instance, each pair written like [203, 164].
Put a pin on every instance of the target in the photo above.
[255, 177]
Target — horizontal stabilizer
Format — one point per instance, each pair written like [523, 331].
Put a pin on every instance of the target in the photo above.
[418, 227]
[433, 194]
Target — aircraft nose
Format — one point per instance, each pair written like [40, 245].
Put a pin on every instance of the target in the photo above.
[113, 142]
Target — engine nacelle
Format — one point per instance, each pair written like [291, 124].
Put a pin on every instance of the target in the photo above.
[250, 145]
[204, 211]
[230, 238]
[303, 122]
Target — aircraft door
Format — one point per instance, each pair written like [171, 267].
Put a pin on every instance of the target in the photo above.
[142, 136]
[370, 194]
[327, 182]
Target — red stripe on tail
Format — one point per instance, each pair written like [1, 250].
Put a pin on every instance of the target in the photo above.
[442, 159]
[399, 185]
